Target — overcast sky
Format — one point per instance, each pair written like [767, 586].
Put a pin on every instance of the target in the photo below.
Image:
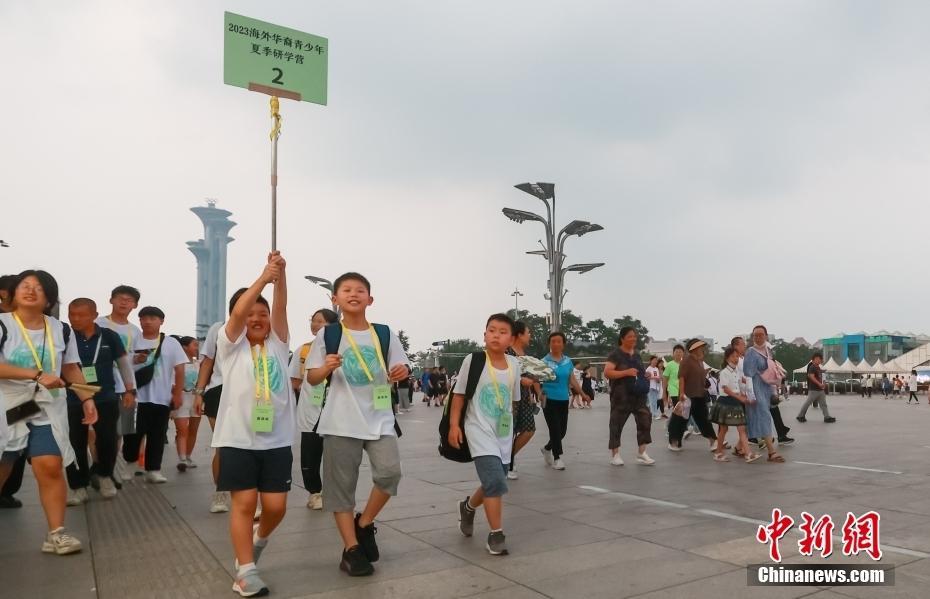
[750, 162]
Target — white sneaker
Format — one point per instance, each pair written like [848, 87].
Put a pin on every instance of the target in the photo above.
[315, 502]
[60, 542]
[644, 459]
[512, 475]
[547, 455]
[107, 487]
[155, 477]
[686, 435]
[616, 460]
[74, 498]
[673, 448]
[122, 470]
[220, 503]
[190, 463]
[558, 464]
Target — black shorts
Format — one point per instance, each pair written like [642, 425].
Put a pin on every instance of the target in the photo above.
[211, 401]
[268, 470]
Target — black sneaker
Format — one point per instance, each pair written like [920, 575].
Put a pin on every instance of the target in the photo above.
[801, 419]
[831, 419]
[354, 562]
[366, 540]
[497, 544]
[466, 518]
[785, 440]
[9, 502]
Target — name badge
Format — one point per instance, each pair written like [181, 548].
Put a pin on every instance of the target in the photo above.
[382, 394]
[90, 373]
[505, 425]
[262, 418]
[316, 397]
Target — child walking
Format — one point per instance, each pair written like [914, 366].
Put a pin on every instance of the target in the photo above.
[728, 410]
[488, 426]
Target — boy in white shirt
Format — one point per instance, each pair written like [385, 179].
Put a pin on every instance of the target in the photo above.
[255, 420]
[488, 427]
[165, 358]
[357, 415]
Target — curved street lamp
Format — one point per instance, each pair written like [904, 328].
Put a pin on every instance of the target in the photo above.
[328, 286]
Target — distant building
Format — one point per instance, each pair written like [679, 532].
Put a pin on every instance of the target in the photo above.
[210, 253]
[881, 345]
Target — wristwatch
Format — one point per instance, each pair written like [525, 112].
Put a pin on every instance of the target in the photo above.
[199, 391]
[37, 376]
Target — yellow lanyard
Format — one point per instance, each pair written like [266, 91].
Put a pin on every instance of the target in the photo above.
[258, 388]
[497, 392]
[358, 354]
[49, 341]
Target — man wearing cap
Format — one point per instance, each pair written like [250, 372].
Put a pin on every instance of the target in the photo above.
[691, 385]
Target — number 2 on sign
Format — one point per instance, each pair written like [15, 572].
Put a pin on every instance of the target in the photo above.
[278, 77]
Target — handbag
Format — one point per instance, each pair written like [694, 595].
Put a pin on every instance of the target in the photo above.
[683, 408]
[641, 384]
[145, 374]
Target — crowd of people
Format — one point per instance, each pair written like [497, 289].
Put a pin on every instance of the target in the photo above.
[89, 402]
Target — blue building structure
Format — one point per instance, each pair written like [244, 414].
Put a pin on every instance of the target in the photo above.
[860, 346]
[210, 253]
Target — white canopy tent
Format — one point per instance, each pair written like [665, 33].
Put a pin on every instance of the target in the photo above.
[863, 367]
[831, 365]
[846, 366]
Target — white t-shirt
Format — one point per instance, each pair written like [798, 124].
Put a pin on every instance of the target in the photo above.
[208, 350]
[730, 377]
[655, 384]
[714, 388]
[307, 413]
[349, 409]
[158, 391]
[484, 409]
[240, 374]
[16, 352]
[912, 383]
[128, 334]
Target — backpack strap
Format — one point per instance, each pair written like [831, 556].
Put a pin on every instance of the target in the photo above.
[332, 337]
[475, 368]
[3, 334]
[66, 333]
[383, 333]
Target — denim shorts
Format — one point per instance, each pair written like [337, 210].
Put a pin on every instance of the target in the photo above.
[41, 443]
[492, 473]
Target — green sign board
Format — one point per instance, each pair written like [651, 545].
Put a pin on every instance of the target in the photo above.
[274, 60]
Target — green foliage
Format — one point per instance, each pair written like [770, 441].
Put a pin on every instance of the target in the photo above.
[790, 355]
[404, 340]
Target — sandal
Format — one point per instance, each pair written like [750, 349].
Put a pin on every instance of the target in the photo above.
[721, 457]
[738, 453]
[752, 457]
[774, 457]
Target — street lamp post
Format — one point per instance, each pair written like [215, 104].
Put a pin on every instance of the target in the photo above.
[328, 286]
[517, 294]
[554, 244]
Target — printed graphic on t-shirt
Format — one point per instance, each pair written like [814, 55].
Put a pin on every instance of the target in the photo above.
[22, 357]
[276, 376]
[352, 368]
[487, 400]
[190, 378]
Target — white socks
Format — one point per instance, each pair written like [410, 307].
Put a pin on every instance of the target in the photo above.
[257, 540]
[245, 569]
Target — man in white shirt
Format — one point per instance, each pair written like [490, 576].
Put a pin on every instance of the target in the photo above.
[912, 387]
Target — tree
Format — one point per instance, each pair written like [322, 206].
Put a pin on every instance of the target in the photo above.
[455, 351]
[404, 340]
[790, 355]
[641, 330]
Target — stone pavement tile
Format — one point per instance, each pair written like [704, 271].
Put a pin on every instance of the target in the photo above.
[724, 585]
[916, 537]
[511, 592]
[524, 535]
[464, 581]
[578, 501]
[912, 581]
[573, 561]
[745, 550]
[630, 578]
[707, 532]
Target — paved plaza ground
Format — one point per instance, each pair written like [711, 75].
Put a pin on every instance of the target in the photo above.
[683, 528]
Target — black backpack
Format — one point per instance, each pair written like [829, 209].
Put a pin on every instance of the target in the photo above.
[145, 374]
[332, 337]
[462, 453]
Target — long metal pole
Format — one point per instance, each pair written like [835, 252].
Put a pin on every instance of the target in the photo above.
[275, 134]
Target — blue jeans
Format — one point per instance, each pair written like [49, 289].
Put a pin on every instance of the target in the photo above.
[653, 401]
